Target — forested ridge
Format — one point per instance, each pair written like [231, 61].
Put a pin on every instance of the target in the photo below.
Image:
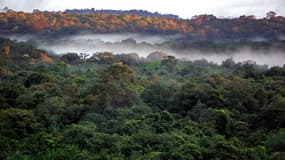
[107, 106]
[271, 26]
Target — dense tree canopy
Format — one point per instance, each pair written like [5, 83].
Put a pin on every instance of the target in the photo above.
[203, 26]
[109, 106]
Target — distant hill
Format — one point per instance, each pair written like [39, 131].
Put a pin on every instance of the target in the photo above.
[141, 13]
[4, 10]
[136, 21]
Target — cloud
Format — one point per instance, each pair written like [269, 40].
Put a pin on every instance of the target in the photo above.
[183, 8]
[25, 5]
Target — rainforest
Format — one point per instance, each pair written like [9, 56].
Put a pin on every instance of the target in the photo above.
[136, 85]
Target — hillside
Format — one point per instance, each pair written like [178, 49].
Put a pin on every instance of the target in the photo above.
[86, 84]
[125, 107]
[198, 27]
[141, 13]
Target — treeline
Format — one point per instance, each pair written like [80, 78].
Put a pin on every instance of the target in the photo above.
[142, 13]
[64, 22]
[202, 26]
[105, 107]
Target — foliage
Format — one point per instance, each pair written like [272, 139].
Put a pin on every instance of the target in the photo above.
[81, 107]
[202, 26]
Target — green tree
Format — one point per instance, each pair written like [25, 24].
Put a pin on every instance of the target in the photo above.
[187, 152]
[274, 114]
[158, 94]
[276, 142]
[117, 86]
[18, 123]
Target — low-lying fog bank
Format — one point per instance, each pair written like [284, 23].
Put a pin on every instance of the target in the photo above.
[143, 45]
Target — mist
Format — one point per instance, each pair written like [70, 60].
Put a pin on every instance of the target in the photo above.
[143, 45]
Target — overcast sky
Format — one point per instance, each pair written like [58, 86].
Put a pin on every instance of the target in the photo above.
[183, 8]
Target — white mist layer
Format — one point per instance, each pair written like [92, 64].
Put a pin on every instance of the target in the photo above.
[270, 59]
[143, 45]
[115, 37]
